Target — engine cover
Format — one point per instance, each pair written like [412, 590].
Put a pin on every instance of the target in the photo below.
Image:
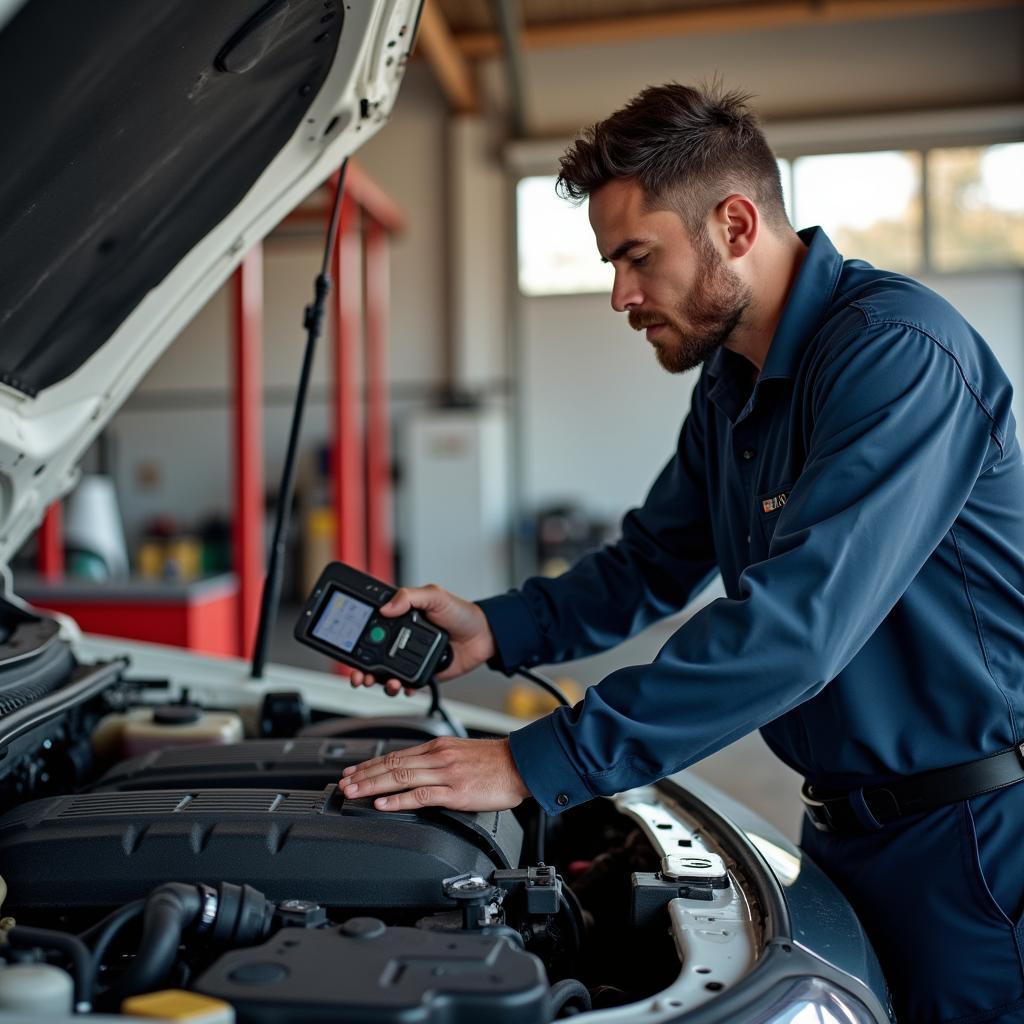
[366, 973]
[97, 850]
[259, 764]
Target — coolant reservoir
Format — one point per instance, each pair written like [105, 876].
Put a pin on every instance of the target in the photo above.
[171, 725]
[39, 990]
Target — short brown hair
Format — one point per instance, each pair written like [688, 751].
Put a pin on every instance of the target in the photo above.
[688, 148]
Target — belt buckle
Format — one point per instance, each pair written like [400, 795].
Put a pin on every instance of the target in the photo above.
[817, 809]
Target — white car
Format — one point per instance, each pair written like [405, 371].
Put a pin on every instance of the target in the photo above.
[146, 148]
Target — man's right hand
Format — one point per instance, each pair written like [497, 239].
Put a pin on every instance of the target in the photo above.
[468, 631]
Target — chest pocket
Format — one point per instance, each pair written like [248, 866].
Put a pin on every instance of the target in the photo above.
[767, 509]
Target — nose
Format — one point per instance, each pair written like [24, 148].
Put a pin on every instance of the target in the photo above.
[625, 292]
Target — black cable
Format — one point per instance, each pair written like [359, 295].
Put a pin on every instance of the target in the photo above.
[113, 920]
[567, 991]
[312, 321]
[106, 931]
[549, 687]
[577, 927]
[436, 709]
[545, 684]
[435, 697]
[71, 946]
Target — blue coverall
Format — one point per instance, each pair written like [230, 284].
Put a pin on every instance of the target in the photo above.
[863, 501]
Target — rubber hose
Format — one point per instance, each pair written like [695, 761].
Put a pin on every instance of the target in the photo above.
[567, 991]
[106, 931]
[169, 910]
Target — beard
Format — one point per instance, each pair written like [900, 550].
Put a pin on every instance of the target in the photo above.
[705, 321]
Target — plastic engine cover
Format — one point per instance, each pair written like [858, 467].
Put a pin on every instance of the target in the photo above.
[102, 849]
[251, 764]
[365, 972]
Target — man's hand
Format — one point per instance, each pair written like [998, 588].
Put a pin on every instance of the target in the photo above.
[467, 627]
[464, 775]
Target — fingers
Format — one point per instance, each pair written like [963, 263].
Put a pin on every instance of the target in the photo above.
[424, 755]
[417, 775]
[428, 599]
[422, 796]
[393, 687]
[398, 780]
[462, 774]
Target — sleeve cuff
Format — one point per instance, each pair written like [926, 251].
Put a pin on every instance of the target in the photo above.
[516, 636]
[550, 776]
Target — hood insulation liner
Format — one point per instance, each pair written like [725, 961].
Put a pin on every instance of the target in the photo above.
[130, 131]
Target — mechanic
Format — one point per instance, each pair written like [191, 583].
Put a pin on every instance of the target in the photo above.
[850, 466]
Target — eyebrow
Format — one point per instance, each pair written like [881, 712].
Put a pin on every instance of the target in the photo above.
[629, 243]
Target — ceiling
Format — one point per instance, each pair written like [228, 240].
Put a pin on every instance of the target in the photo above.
[455, 35]
[479, 15]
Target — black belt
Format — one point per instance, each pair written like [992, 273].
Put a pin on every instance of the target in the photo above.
[864, 810]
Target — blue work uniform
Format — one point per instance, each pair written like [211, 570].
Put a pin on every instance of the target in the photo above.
[863, 500]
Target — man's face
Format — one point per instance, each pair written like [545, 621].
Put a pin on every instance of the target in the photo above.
[676, 287]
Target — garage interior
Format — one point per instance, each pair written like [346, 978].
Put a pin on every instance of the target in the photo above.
[487, 412]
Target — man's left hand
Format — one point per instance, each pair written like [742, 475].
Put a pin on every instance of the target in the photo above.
[463, 775]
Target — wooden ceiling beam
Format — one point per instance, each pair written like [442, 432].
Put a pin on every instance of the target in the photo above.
[741, 16]
[451, 66]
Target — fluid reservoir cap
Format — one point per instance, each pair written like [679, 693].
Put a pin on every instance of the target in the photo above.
[177, 714]
[177, 1004]
[468, 888]
[363, 928]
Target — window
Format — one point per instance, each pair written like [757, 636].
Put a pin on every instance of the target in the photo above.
[976, 204]
[868, 203]
[941, 209]
[557, 252]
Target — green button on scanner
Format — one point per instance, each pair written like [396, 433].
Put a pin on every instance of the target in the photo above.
[377, 635]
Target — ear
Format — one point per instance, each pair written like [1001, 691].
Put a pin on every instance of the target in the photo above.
[738, 222]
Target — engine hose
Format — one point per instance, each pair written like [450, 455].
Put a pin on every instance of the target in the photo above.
[71, 946]
[568, 991]
[233, 915]
[170, 909]
[105, 932]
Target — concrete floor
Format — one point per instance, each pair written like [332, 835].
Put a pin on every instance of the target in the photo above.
[747, 769]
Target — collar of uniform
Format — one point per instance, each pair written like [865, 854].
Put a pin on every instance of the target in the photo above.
[804, 310]
[732, 389]
[805, 307]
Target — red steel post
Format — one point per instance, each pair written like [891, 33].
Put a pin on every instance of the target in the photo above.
[247, 412]
[378, 439]
[50, 541]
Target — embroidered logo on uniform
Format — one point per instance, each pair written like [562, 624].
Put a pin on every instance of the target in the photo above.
[774, 504]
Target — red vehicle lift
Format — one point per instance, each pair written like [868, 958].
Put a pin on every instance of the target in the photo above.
[360, 461]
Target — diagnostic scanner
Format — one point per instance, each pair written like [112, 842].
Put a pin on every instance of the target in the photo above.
[341, 618]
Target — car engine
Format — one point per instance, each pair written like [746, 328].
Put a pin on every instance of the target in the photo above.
[149, 852]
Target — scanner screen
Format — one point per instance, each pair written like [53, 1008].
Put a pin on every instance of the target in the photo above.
[341, 621]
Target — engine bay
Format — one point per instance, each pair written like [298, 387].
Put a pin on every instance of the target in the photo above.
[155, 847]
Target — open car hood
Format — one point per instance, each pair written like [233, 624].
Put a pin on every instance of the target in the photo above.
[146, 149]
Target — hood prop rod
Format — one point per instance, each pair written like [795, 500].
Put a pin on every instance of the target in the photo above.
[313, 321]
